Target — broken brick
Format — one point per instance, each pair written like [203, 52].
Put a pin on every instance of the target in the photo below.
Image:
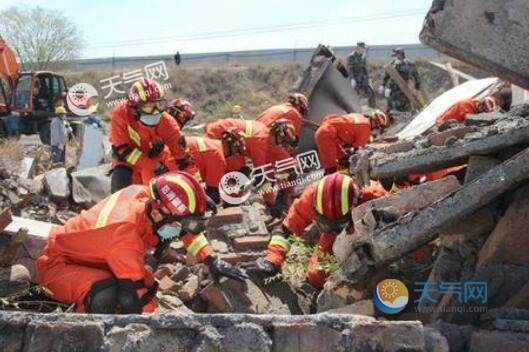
[189, 290]
[250, 242]
[167, 285]
[225, 216]
[440, 138]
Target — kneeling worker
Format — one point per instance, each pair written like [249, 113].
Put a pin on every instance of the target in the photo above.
[328, 203]
[96, 260]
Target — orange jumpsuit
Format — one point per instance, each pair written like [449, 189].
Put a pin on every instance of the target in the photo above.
[281, 111]
[134, 140]
[260, 146]
[208, 157]
[459, 111]
[107, 241]
[301, 214]
[336, 131]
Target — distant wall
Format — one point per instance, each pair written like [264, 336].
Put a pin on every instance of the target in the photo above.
[301, 56]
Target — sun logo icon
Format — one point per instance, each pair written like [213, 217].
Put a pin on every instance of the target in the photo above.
[391, 296]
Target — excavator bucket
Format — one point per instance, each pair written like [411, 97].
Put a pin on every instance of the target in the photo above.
[9, 68]
[326, 86]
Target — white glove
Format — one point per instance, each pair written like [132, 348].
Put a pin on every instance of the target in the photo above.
[381, 90]
[353, 82]
[387, 92]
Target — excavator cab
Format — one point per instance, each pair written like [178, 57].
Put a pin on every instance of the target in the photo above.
[32, 95]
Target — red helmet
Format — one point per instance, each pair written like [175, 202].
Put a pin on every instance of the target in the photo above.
[299, 101]
[234, 140]
[178, 194]
[181, 110]
[379, 119]
[335, 196]
[487, 104]
[284, 133]
[148, 95]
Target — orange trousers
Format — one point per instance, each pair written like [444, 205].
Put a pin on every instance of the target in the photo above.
[70, 283]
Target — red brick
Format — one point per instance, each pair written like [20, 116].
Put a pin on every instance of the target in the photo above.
[216, 300]
[440, 137]
[226, 216]
[250, 242]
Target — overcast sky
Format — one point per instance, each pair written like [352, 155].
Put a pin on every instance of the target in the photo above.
[149, 27]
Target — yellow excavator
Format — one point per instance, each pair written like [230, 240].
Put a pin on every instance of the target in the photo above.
[32, 95]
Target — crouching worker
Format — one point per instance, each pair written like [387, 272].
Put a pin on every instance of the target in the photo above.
[328, 203]
[96, 260]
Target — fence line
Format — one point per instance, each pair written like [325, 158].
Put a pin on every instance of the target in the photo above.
[298, 55]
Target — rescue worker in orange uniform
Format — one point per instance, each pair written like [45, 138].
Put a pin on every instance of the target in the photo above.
[263, 145]
[328, 203]
[145, 139]
[210, 155]
[338, 133]
[96, 260]
[181, 110]
[459, 111]
[294, 110]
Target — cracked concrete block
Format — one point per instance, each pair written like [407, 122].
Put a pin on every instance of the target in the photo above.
[66, 336]
[465, 29]
[486, 341]
[246, 337]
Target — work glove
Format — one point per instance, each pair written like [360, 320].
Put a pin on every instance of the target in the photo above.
[160, 169]
[353, 82]
[381, 90]
[261, 267]
[219, 268]
[387, 92]
[156, 149]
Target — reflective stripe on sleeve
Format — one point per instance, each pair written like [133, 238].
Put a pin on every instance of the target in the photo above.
[319, 197]
[198, 243]
[248, 128]
[134, 156]
[201, 144]
[107, 208]
[134, 136]
[280, 241]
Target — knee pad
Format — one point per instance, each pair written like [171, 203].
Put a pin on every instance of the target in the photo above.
[128, 300]
[102, 297]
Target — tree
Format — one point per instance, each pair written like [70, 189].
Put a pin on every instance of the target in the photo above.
[39, 36]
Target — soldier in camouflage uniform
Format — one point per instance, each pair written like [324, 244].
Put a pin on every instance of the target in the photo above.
[397, 100]
[357, 68]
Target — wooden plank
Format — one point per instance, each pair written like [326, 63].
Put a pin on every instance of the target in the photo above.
[456, 72]
[410, 93]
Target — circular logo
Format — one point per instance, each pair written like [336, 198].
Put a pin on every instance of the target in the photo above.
[82, 99]
[391, 296]
[233, 187]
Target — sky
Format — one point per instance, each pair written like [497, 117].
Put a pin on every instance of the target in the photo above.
[152, 27]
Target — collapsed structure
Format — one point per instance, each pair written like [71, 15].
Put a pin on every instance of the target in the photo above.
[449, 230]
